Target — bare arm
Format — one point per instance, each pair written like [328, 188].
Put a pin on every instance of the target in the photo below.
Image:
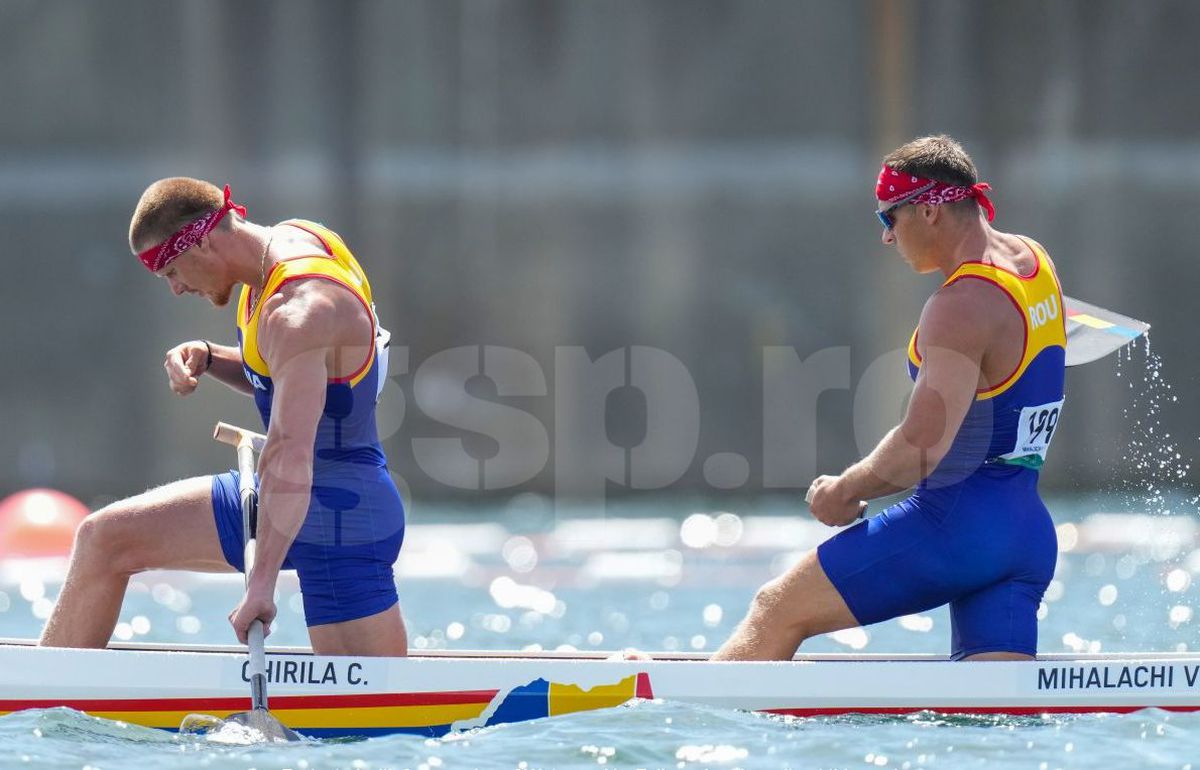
[296, 335]
[227, 367]
[954, 335]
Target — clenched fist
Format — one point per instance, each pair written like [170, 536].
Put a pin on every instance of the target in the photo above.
[829, 505]
[185, 363]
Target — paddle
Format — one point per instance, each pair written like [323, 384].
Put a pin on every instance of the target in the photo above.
[258, 718]
[1093, 332]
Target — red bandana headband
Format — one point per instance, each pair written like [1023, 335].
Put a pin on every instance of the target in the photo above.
[896, 185]
[157, 257]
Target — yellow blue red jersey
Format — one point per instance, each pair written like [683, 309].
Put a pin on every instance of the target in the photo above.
[351, 536]
[1013, 421]
[346, 432]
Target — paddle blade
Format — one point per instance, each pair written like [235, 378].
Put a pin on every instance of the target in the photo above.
[261, 721]
[244, 728]
[1093, 332]
[200, 724]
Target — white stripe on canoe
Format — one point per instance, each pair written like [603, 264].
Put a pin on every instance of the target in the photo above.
[849, 657]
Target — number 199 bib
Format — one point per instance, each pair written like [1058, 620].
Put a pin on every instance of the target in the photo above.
[1035, 429]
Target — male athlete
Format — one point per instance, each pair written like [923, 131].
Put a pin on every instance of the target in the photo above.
[988, 361]
[313, 356]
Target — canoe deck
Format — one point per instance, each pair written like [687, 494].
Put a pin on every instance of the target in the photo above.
[440, 692]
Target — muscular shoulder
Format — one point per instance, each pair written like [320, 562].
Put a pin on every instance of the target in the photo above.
[312, 313]
[965, 315]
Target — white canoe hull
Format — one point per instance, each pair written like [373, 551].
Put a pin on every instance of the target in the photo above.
[434, 694]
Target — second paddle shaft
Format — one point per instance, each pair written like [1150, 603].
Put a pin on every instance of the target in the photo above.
[248, 494]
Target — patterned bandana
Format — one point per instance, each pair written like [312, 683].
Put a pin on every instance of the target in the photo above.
[157, 257]
[895, 185]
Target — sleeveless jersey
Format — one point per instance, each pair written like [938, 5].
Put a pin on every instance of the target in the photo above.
[347, 442]
[1013, 422]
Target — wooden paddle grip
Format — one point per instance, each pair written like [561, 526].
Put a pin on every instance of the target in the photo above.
[233, 435]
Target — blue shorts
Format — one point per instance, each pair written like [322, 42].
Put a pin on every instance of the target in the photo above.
[344, 551]
[987, 547]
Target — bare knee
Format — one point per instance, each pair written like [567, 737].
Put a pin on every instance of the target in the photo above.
[103, 541]
[773, 604]
[768, 598]
[802, 603]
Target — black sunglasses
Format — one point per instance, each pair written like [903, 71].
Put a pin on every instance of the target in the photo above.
[885, 215]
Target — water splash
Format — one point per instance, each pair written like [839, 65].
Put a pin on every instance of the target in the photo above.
[1154, 459]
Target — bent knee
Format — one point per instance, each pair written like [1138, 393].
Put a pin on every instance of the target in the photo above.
[775, 605]
[91, 533]
[770, 597]
[104, 538]
[803, 603]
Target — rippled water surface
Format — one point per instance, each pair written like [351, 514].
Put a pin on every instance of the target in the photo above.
[643, 734]
[657, 577]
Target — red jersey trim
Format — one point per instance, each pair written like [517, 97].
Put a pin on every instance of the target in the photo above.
[995, 390]
[1037, 266]
[371, 353]
[248, 314]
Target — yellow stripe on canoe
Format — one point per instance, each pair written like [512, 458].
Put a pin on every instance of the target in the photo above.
[350, 717]
[569, 698]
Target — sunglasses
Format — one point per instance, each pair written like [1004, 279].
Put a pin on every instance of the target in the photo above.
[885, 215]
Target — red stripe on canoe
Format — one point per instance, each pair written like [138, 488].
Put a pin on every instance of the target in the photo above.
[482, 697]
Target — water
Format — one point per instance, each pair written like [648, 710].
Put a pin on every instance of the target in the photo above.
[1155, 461]
[517, 578]
[643, 734]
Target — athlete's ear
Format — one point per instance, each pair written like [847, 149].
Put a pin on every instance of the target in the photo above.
[204, 245]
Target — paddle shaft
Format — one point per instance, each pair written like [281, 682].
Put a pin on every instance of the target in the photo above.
[247, 442]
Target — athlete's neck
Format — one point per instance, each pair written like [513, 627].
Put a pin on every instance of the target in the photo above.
[251, 259]
[966, 240]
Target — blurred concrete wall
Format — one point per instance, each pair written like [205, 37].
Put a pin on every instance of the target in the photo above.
[589, 199]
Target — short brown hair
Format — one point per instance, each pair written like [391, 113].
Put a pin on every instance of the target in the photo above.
[168, 205]
[939, 158]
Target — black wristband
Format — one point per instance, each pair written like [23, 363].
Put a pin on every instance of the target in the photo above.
[208, 360]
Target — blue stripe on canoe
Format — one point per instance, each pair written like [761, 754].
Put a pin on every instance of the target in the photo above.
[529, 701]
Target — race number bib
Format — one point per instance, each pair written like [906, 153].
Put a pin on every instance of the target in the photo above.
[1035, 429]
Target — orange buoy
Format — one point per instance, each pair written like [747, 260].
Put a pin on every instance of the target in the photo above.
[39, 522]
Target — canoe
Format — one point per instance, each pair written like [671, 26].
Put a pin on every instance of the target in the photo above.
[435, 693]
